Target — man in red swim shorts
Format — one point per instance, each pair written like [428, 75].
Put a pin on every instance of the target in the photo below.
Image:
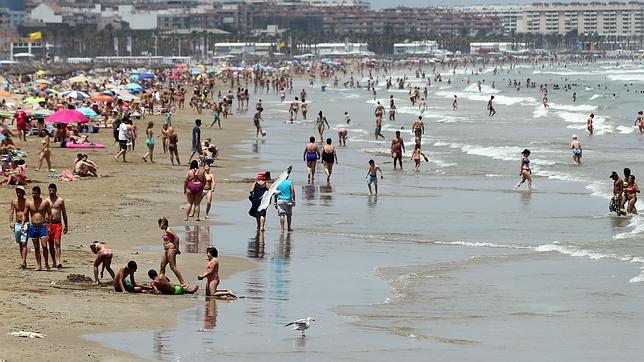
[55, 227]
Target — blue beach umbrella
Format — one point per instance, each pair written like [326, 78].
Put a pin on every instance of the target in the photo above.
[87, 112]
[134, 76]
[134, 87]
[146, 76]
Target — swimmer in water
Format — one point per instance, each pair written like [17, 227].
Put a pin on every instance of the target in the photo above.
[575, 147]
[589, 124]
[639, 121]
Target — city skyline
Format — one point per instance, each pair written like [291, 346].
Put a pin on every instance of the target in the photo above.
[379, 4]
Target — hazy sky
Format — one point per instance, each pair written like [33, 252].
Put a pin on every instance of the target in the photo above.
[376, 4]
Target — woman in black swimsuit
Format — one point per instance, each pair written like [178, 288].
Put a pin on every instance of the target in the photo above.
[329, 156]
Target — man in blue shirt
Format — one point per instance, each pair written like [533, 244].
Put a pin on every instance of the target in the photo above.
[285, 202]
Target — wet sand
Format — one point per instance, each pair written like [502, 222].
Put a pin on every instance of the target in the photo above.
[121, 208]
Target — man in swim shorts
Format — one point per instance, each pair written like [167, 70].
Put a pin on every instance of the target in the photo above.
[19, 227]
[397, 149]
[372, 175]
[285, 202]
[55, 228]
[36, 212]
[161, 285]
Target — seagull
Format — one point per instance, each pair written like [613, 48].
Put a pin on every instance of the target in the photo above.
[301, 324]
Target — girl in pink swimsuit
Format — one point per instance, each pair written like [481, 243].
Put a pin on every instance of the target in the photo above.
[171, 249]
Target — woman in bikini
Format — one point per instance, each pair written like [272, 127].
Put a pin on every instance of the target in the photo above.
[193, 188]
[329, 156]
[631, 194]
[45, 153]
[212, 277]
[416, 156]
[311, 156]
[173, 139]
[525, 172]
[209, 188]
[149, 141]
[103, 257]
[320, 124]
[164, 138]
[171, 250]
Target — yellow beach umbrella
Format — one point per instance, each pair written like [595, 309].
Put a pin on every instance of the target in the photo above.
[41, 72]
[78, 79]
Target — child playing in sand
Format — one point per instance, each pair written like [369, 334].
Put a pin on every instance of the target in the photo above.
[103, 256]
[127, 286]
[372, 176]
[161, 285]
[212, 277]
[21, 236]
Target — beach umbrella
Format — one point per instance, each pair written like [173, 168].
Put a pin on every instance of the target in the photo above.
[67, 116]
[4, 93]
[50, 91]
[78, 79]
[173, 77]
[134, 76]
[88, 112]
[101, 98]
[42, 113]
[146, 76]
[108, 92]
[42, 81]
[33, 100]
[134, 87]
[128, 97]
[41, 72]
[75, 95]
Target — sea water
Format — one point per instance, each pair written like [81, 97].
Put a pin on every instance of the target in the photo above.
[446, 263]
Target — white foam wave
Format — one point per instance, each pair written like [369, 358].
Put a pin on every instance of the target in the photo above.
[595, 96]
[498, 99]
[637, 227]
[625, 129]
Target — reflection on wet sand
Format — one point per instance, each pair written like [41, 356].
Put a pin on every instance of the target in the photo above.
[210, 314]
[256, 246]
[161, 348]
[197, 238]
[526, 198]
[308, 194]
[326, 195]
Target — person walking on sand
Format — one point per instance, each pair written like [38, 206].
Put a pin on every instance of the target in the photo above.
[18, 225]
[311, 156]
[36, 212]
[256, 192]
[575, 147]
[329, 157]
[397, 149]
[173, 149]
[524, 171]
[164, 138]
[257, 119]
[490, 107]
[589, 124]
[320, 123]
[170, 250]
[56, 228]
[196, 139]
[123, 131]
[372, 176]
[149, 141]
[209, 188]
[212, 276]
[103, 257]
[193, 189]
[285, 203]
[45, 153]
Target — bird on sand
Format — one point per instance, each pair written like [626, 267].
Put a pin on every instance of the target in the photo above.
[301, 324]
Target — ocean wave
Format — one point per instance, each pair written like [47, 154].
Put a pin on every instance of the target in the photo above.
[498, 99]
[595, 96]
[637, 228]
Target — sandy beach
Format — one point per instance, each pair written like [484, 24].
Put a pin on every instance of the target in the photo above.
[121, 208]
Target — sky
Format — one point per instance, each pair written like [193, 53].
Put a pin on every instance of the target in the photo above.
[378, 4]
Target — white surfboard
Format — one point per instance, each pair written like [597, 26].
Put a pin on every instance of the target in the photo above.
[268, 195]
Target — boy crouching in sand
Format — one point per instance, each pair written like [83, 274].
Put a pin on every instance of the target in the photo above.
[127, 286]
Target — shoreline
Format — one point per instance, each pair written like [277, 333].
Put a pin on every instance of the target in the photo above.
[31, 303]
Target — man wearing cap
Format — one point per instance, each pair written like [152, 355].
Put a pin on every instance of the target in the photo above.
[16, 220]
[618, 188]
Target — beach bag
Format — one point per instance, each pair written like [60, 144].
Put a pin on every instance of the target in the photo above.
[612, 205]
